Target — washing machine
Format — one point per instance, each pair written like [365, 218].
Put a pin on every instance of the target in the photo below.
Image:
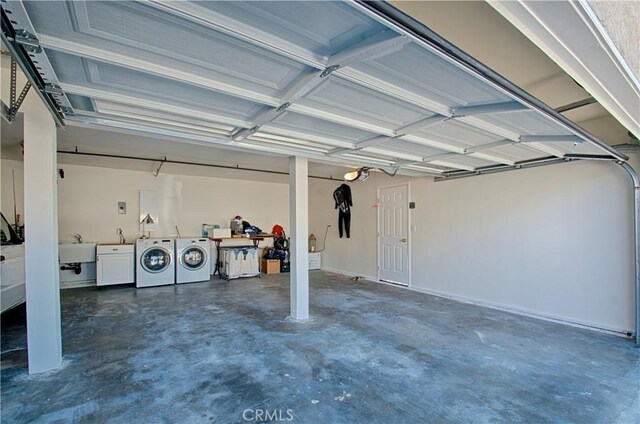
[154, 262]
[193, 258]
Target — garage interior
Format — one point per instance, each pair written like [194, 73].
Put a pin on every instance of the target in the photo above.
[445, 288]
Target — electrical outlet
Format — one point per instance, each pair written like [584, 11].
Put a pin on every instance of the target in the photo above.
[122, 208]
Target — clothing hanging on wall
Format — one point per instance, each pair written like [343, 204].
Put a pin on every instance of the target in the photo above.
[343, 202]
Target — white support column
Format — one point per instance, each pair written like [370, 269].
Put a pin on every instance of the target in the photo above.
[44, 339]
[299, 218]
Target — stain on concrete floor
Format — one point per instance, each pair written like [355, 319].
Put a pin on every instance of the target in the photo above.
[371, 353]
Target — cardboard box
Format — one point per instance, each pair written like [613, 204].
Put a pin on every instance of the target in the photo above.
[220, 233]
[271, 266]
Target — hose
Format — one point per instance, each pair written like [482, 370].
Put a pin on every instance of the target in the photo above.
[324, 242]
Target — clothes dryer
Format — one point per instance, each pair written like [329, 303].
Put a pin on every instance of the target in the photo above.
[193, 256]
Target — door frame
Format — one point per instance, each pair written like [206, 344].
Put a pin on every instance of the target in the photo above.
[379, 188]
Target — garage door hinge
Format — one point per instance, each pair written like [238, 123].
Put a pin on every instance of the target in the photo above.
[283, 107]
[27, 40]
[328, 70]
[51, 88]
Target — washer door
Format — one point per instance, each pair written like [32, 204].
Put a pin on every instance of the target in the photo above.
[155, 260]
[193, 258]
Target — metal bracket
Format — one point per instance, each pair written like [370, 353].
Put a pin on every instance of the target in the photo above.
[27, 40]
[14, 79]
[23, 45]
[55, 89]
[9, 111]
[328, 70]
[160, 166]
[283, 107]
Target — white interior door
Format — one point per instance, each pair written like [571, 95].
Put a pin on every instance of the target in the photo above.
[393, 235]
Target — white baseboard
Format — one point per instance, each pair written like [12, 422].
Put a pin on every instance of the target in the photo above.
[525, 312]
[350, 274]
[494, 305]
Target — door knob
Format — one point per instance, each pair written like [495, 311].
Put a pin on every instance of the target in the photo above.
[403, 240]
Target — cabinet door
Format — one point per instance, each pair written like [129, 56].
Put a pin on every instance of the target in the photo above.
[114, 269]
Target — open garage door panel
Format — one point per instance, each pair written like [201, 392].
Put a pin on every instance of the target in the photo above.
[342, 82]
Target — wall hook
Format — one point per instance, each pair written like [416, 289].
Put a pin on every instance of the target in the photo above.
[160, 166]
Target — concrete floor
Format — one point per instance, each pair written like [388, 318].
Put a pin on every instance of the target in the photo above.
[209, 352]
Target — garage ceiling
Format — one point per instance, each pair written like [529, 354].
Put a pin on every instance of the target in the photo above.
[341, 82]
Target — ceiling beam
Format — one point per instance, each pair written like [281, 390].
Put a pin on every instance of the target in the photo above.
[394, 154]
[287, 146]
[300, 88]
[373, 47]
[551, 139]
[121, 126]
[106, 107]
[379, 45]
[488, 146]
[287, 132]
[153, 68]
[471, 151]
[150, 104]
[452, 165]
[374, 141]
[492, 158]
[421, 124]
[489, 108]
[491, 128]
[149, 128]
[125, 111]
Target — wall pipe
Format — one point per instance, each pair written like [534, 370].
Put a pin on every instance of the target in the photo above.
[636, 231]
[180, 162]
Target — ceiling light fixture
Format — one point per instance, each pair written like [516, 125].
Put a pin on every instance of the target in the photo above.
[359, 174]
[362, 174]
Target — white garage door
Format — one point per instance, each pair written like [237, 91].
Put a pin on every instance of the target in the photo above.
[342, 82]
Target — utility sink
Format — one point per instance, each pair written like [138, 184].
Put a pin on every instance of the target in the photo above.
[76, 252]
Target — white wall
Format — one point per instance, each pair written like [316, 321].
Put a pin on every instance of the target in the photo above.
[554, 241]
[88, 197]
[356, 255]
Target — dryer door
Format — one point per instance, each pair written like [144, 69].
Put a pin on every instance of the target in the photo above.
[193, 258]
[155, 260]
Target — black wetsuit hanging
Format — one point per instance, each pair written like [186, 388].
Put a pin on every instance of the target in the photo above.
[342, 198]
